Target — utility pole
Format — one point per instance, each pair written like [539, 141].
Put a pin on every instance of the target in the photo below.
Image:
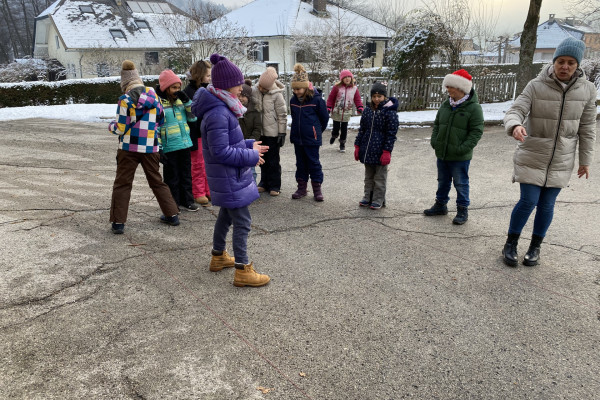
[500, 38]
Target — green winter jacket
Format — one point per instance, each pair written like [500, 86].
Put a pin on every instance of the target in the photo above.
[456, 132]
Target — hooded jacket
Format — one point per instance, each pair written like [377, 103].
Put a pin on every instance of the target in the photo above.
[456, 131]
[271, 106]
[377, 131]
[139, 116]
[227, 156]
[175, 132]
[555, 118]
[341, 99]
[309, 120]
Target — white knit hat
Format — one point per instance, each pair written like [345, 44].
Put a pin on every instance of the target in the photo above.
[460, 80]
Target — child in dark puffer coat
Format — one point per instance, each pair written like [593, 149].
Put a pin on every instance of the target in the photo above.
[374, 144]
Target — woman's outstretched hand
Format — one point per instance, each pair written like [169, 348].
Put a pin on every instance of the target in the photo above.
[519, 133]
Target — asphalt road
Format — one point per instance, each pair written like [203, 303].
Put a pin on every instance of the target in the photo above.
[362, 304]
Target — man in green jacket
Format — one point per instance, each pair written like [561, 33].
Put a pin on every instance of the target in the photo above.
[457, 128]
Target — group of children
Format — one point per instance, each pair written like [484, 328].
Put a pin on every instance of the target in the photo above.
[215, 132]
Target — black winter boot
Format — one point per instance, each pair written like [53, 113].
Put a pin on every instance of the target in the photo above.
[301, 192]
[316, 186]
[533, 254]
[342, 146]
[510, 249]
[462, 215]
[437, 209]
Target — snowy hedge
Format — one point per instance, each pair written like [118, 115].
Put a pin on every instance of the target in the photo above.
[70, 91]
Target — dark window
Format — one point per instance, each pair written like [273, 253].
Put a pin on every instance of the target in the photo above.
[261, 53]
[151, 57]
[86, 9]
[117, 34]
[370, 50]
[142, 24]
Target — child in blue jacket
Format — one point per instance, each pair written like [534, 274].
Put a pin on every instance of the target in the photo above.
[374, 144]
[309, 120]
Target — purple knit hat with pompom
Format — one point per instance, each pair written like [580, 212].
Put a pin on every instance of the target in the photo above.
[224, 74]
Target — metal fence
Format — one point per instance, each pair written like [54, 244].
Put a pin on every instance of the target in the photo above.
[421, 94]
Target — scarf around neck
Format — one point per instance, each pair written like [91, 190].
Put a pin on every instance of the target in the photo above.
[232, 102]
[459, 101]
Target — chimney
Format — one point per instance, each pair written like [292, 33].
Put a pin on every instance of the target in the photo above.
[570, 21]
[320, 8]
[551, 18]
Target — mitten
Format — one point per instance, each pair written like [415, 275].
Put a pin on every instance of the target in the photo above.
[182, 96]
[329, 110]
[386, 157]
[281, 139]
[360, 110]
[356, 150]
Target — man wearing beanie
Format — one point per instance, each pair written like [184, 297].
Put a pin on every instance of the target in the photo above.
[268, 100]
[138, 144]
[457, 128]
[228, 158]
[309, 121]
[555, 112]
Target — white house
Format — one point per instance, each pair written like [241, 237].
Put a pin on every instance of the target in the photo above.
[92, 38]
[549, 35]
[275, 22]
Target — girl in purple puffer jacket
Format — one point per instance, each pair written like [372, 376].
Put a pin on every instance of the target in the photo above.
[228, 160]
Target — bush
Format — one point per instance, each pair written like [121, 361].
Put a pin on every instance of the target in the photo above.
[72, 91]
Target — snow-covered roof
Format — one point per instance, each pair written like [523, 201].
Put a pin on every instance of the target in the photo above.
[265, 18]
[49, 9]
[554, 31]
[104, 27]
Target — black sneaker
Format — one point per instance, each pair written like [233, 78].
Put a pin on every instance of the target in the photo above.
[192, 207]
[118, 229]
[173, 221]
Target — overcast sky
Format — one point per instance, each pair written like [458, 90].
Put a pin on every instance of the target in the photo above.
[512, 13]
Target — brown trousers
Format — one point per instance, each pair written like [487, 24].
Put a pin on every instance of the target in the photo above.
[127, 163]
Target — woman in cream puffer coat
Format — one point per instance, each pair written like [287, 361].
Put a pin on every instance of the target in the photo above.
[555, 113]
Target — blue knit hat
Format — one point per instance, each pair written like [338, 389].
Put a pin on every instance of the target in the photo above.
[570, 47]
[225, 74]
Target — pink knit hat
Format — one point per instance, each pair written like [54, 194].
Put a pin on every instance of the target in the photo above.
[167, 78]
[267, 79]
[344, 73]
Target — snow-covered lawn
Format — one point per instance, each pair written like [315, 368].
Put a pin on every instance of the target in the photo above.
[106, 112]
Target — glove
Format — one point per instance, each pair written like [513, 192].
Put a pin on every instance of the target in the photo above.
[360, 110]
[182, 96]
[281, 139]
[329, 110]
[356, 150]
[386, 157]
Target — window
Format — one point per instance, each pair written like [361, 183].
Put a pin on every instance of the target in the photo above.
[57, 41]
[370, 50]
[117, 34]
[86, 9]
[103, 70]
[261, 53]
[151, 57]
[142, 24]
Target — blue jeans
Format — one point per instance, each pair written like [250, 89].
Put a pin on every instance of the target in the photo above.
[241, 220]
[534, 196]
[457, 171]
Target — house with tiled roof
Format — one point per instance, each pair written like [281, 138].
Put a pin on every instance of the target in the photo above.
[273, 23]
[92, 38]
[553, 31]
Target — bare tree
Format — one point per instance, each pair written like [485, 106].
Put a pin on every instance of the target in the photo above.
[587, 10]
[484, 18]
[455, 16]
[528, 43]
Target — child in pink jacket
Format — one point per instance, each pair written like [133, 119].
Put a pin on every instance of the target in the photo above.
[344, 95]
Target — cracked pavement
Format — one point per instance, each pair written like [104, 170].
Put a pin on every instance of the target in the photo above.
[362, 304]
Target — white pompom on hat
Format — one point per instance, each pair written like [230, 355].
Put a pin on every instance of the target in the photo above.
[460, 80]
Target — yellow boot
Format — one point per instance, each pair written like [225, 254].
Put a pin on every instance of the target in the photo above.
[249, 277]
[217, 263]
